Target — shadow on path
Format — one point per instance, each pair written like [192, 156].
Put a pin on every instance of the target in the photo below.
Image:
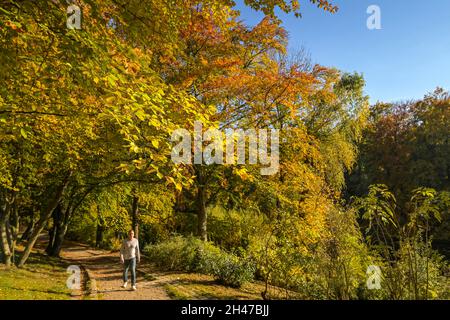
[106, 269]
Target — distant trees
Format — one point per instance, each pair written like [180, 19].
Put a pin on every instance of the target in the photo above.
[406, 147]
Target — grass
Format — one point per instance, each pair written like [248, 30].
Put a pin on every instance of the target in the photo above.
[195, 286]
[149, 277]
[42, 278]
[202, 287]
[175, 293]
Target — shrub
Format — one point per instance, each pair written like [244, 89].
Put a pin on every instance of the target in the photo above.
[172, 254]
[184, 254]
[193, 255]
[232, 271]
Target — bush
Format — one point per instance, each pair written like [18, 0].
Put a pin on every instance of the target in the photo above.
[234, 272]
[179, 253]
[193, 255]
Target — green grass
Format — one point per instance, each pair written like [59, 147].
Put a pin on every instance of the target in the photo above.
[196, 286]
[149, 277]
[42, 278]
[175, 293]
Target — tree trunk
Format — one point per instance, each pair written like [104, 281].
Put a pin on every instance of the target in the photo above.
[59, 239]
[62, 220]
[135, 216]
[6, 250]
[14, 228]
[29, 230]
[5, 233]
[201, 214]
[99, 235]
[52, 229]
[58, 231]
[100, 228]
[202, 219]
[46, 214]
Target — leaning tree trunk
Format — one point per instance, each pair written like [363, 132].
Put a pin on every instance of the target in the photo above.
[61, 222]
[46, 214]
[58, 231]
[52, 230]
[60, 234]
[5, 233]
[62, 226]
[6, 249]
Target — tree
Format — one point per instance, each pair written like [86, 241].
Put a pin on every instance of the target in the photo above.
[405, 147]
[58, 112]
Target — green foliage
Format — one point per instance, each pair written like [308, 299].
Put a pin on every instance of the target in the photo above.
[233, 271]
[83, 228]
[193, 255]
[231, 229]
[411, 268]
[331, 267]
[342, 257]
[419, 273]
[179, 253]
[156, 214]
[105, 212]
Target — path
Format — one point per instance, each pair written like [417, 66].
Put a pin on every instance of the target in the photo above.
[105, 268]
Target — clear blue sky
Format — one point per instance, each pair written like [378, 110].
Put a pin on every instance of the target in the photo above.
[408, 58]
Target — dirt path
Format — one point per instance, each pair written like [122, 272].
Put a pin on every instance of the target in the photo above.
[104, 267]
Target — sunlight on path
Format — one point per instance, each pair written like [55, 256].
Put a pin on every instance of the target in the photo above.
[107, 271]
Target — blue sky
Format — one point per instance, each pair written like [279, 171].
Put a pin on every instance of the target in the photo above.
[407, 58]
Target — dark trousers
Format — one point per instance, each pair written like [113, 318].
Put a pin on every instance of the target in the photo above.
[130, 264]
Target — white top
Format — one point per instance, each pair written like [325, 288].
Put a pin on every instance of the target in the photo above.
[130, 249]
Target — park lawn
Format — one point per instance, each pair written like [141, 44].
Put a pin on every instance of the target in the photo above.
[42, 278]
[186, 286]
